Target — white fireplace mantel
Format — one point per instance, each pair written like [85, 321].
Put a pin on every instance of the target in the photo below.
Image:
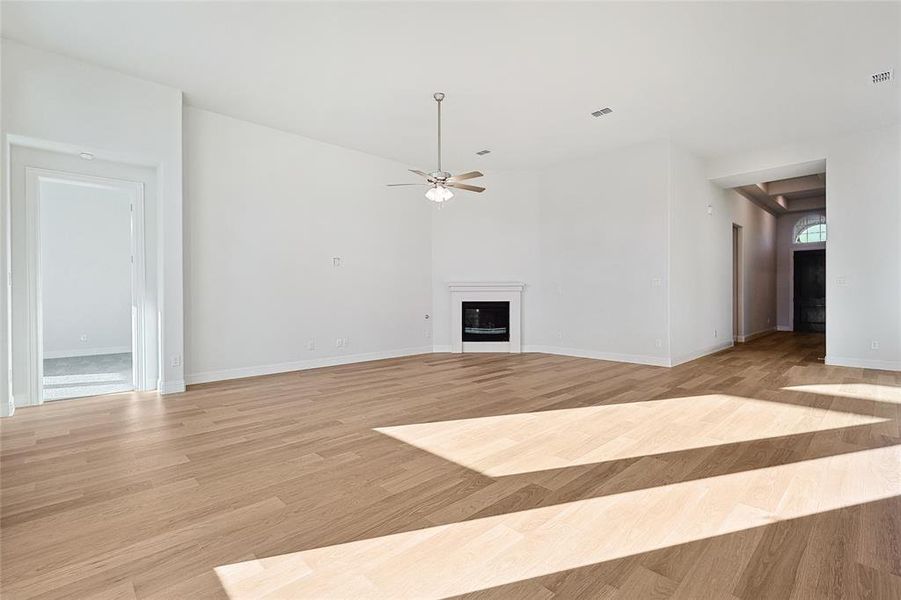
[486, 291]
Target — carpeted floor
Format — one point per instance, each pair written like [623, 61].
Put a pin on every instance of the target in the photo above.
[76, 376]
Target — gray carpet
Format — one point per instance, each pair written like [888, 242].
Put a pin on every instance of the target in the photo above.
[76, 376]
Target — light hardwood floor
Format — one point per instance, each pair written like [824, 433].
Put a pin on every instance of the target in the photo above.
[754, 473]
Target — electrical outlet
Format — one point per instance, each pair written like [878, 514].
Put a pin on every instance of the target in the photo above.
[656, 282]
[311, 345]
[658, 343]
[841, 281]
[176, 360]
[428, 334]
[339, 343]
[336, 261]
[84, 337]
[874, 345]
[715, 333]
[559, 335]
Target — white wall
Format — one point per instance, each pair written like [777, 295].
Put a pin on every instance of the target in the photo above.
[701, 219]
[603, 245]
[85, 269]
[266, 213]
[785, 264]
[700, 289]
[53, 101]
[492, 236]
[621, 259]
[759, 264]
[863, 202]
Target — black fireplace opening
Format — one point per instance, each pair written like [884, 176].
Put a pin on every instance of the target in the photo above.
[486, 321]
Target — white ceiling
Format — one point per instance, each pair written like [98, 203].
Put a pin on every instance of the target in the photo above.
[521, 78]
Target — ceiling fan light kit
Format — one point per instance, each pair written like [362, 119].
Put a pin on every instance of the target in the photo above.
[438, 180]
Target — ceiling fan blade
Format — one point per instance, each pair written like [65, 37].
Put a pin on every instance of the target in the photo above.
[463, 186]
[420, 173]
[462, 176]
[400, 184]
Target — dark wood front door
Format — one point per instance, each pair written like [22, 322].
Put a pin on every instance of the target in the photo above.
[810, 290]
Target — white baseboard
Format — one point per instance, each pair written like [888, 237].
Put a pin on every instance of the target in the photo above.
[171, 387]
[657, 361]
[23, 401]
[300, 365]
[86, 352]
[755, 335]
[442, 348]
[863, 363]
[784, 328]
[684, 358]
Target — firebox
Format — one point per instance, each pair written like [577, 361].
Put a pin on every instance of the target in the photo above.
[486, 321]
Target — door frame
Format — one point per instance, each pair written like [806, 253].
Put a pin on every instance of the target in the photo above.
[738, 283]
[34, 308]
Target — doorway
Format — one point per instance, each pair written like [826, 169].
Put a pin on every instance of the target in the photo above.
[810, 290]
[87, 274]
[737, 304]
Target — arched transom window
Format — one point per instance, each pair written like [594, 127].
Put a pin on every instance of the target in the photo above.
[810, 229]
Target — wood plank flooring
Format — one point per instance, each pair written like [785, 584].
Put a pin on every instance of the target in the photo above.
[754, 473]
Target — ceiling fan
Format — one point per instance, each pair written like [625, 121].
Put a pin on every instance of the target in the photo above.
[439, 181]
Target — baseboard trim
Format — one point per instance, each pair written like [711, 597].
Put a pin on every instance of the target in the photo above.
[639, 359]
[755, 335]
[23, 401]
[784, 328]
[863, 363]
[172, 387]
[442, 348]
[301, 365]
[679, 360]
[87, 352]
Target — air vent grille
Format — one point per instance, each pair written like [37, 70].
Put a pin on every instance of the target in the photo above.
[882, 77]
[483, 152]
[604, 111]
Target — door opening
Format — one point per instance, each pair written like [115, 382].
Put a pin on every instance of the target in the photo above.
[810, 290]
[737, 304]
[88, 273]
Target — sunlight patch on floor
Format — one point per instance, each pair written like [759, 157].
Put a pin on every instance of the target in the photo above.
[861, 391]
[526, 442]
[447, 560]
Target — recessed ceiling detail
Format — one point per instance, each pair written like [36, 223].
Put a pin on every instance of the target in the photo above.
[788, 195]
[604, 111]
[483, 152]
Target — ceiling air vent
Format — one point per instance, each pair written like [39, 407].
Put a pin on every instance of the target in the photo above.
[882, 77]
[483, 152]
[602, 112]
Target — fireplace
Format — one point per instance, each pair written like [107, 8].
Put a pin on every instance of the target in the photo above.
[486, 321]
[485, 316]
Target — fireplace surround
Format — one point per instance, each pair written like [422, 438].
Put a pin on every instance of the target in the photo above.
[486, 316]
